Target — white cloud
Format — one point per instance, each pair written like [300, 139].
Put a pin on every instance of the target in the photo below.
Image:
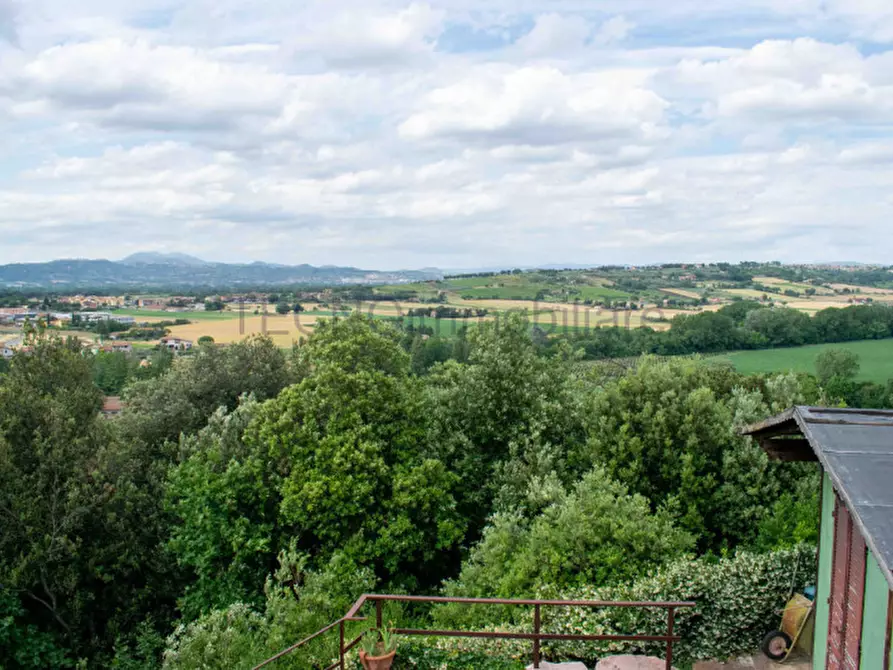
[538, 106]
[799, 79]
[553, 34]
[153, 84]
[389, 134]
[364, 38]
[616, 29]
[878, 152]
[870, 19]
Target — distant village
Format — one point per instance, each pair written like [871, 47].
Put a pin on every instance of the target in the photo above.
[78, 312]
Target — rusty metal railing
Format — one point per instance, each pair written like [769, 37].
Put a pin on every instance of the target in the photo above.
[536, 636]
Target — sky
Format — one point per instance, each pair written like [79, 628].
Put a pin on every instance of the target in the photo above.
[454, 134]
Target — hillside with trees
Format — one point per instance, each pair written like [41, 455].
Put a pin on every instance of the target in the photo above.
[247, 495]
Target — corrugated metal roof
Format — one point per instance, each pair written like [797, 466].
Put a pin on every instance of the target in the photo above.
[855, 446]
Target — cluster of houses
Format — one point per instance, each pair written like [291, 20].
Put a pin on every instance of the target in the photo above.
[115, 346]
[171, 304]
[19, 315]
[16, 315]
[93, 301]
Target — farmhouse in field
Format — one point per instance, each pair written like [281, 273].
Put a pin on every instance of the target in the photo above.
[176, 344]
[117, 346]
[854, 604]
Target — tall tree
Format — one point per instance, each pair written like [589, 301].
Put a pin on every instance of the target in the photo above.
[78, 540]
[506, 403]
[339, 463]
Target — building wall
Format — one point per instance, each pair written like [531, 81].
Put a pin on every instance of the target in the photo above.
[874, 610]
[874, 616]
[823, 587]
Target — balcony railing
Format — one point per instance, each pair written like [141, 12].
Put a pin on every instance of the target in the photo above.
[536, 636]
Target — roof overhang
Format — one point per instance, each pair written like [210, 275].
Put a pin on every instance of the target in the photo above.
[855, 448]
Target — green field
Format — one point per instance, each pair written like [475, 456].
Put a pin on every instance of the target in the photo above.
[530, 291]
[172, 316]
[875, 357]
[513, 287]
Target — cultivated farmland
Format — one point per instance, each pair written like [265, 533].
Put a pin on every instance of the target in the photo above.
[875, 356]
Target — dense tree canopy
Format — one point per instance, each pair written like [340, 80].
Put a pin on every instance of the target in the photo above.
[506, 403]
[246, 496]
[182, 400]
[77, 549]
[595, 534]
[740, 325]
[668, 431]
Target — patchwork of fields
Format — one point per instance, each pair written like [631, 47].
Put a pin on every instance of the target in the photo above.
[552, 299]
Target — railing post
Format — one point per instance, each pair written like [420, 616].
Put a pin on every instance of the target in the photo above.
[341, 645]
[671, 619]
[536, 640]
[378, 614]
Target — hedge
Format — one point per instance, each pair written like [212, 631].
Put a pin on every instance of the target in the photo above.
[738, 602]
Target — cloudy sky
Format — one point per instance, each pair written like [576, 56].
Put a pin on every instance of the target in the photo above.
[454, 133]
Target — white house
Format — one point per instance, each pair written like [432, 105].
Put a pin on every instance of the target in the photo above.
[107, 316]
[176, 344]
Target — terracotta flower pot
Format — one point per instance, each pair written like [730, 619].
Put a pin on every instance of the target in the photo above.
[377, 662]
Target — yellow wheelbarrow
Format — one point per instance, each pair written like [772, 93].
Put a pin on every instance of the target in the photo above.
[797, 626]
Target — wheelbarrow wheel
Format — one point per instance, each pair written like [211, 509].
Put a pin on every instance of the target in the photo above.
[776, 645]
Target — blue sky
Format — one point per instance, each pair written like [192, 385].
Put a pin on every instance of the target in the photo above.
[388, 134]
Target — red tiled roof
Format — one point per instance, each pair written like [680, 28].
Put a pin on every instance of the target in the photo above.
[112, 404]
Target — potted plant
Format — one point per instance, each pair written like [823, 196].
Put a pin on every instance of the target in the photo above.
[379, 648]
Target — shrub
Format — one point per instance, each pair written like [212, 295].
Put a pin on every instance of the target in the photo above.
[230, 638]
[424, 654]
[737, 598]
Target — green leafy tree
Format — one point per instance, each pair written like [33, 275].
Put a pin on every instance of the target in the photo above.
[112, 370]
[78, 547]
[339, 462]
[350, 446]
[182, 400]
[485, 412]
[793, 519]
[24, 645]
[781, 326]
[597, 534]
[836, 363]
[669, 431]
[225, 506]
[233, 637]
[299, 601]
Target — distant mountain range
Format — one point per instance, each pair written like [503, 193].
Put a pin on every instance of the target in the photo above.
[157, 270]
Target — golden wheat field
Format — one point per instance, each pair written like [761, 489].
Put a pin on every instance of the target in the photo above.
[861, 289]
[283, 329]
[682, 292]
